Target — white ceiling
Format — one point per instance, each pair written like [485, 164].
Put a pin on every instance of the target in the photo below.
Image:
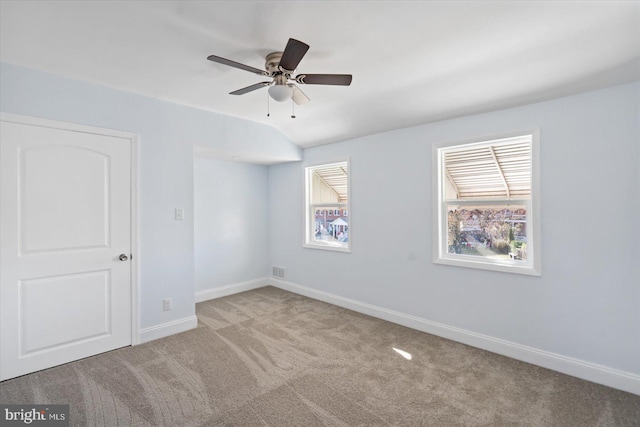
[412, 62]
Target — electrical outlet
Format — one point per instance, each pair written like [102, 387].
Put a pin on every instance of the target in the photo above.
[168, 304]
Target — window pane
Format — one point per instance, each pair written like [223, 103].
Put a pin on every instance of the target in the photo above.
[329, 183]
[330, 229]
[497, 169]
[497, 232]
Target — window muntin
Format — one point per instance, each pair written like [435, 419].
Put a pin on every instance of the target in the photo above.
[485, 198]
[327, 195]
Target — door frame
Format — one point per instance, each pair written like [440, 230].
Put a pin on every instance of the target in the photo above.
[135, 236]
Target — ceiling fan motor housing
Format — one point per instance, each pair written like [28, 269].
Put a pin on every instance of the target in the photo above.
[272, 62]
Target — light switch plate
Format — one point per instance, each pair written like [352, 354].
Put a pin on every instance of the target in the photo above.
[179, 214]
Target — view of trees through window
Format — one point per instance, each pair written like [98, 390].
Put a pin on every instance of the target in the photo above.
[495, 232]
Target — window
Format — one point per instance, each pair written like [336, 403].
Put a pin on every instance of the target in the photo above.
[327, 191]
[486, 202]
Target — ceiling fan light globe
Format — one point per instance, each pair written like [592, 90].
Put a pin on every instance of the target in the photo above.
[280, 93]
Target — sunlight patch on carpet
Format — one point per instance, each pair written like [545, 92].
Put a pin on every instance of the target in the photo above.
[403, 353]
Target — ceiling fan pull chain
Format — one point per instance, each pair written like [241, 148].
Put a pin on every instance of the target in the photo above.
[293, 109]
[268, 114]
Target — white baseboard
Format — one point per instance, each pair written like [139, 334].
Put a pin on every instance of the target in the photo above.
[621, 380]
[235, 288]
[166, 329]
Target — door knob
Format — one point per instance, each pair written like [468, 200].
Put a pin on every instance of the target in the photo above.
[123, 257]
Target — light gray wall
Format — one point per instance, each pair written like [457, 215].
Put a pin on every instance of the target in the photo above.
[167, 133]
[230, 223]
[585, 305]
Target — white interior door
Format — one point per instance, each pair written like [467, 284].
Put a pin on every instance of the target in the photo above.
[65, 219]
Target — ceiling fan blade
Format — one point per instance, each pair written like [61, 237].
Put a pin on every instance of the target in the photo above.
[324, 79]
[249, 88]
[293, 54]
[235, 64]
[298, 96]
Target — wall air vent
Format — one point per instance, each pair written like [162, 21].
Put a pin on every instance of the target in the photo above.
[277, 272]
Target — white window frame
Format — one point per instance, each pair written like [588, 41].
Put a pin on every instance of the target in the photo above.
[309, 209]
[440, 256]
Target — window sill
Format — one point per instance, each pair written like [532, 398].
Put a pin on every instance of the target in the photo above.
[504, 268]
[326, 247]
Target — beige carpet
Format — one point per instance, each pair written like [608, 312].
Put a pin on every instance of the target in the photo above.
[272, 358]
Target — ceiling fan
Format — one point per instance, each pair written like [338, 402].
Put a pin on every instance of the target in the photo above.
[280, 67]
